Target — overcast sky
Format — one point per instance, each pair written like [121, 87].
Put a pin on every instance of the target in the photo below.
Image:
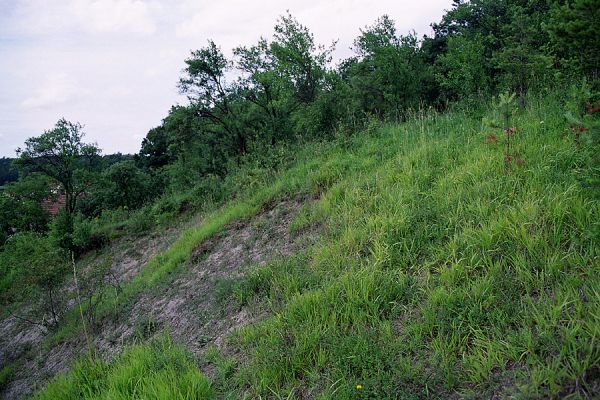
[113, 65]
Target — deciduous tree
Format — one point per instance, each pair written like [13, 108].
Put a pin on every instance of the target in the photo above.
[61, 154]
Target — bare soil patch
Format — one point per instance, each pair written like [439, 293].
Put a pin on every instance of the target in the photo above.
[186, 308]
[21, 341]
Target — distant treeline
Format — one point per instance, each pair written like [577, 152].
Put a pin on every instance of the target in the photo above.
[7, 172]
[110, 159]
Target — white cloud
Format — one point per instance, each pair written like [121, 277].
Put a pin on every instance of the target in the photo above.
[55, 90]
[102, 16]
[119, 91]
[41, 17]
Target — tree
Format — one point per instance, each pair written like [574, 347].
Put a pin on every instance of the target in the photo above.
[7, 172]
[204, 84]
[20, 206]
[265, 87]
[60, 154]
[390, 74]
[520, 58]
[462, 69]
[485, 18]
[196, 145]
[299, 58]
[20, 216]
[510, 39]
[31, 264]
[154, 151]
[129, 185]
[575, 34]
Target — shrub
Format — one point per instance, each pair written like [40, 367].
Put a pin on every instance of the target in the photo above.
[32, 264]
[61, 230]
[141, 221]
[6, 375]
[85, 238]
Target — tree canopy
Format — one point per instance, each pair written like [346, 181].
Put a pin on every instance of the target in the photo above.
[60, 154]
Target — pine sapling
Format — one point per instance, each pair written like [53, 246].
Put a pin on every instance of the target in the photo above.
[506, 107]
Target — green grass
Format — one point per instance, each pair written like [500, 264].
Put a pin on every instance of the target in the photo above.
[441, 272]
[158, 370]
[438, 271]
[6, 374]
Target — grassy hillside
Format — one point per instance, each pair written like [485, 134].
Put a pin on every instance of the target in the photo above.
[440, 272]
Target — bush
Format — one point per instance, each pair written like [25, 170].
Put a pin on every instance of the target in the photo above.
[6, 375]
[209, 190]
[19, 216]
[85, 238]
[61, 230]
[141, 221]
[128, 185]
[32, 264]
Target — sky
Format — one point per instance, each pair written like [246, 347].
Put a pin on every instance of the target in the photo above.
[113, 65]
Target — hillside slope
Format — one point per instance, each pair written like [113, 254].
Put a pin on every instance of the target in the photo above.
[432, 269]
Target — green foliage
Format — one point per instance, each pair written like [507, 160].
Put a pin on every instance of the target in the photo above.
[20, 216]
[34, 187]
[506, 107]
[86, 235]
[142, 221]
[463, 68]
[154, 150]
[390, 75]
[20, 206]
[31, 265]
[159, 370]
[578, 98]
[6, 374]
[7, 172]
[438, 275]
[519, 59]
[286, 89]
[210, 97]
[60, 154]
[61, 230]
[574, 27]
[582, 113]
[129, 186]
[82, 232]
[267, 93]
[298, 58]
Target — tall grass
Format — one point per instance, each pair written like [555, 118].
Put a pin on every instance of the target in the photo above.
[439, 272]
[159, 370]
[442, 273]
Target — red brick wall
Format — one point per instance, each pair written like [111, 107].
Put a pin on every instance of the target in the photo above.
[53, 206]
